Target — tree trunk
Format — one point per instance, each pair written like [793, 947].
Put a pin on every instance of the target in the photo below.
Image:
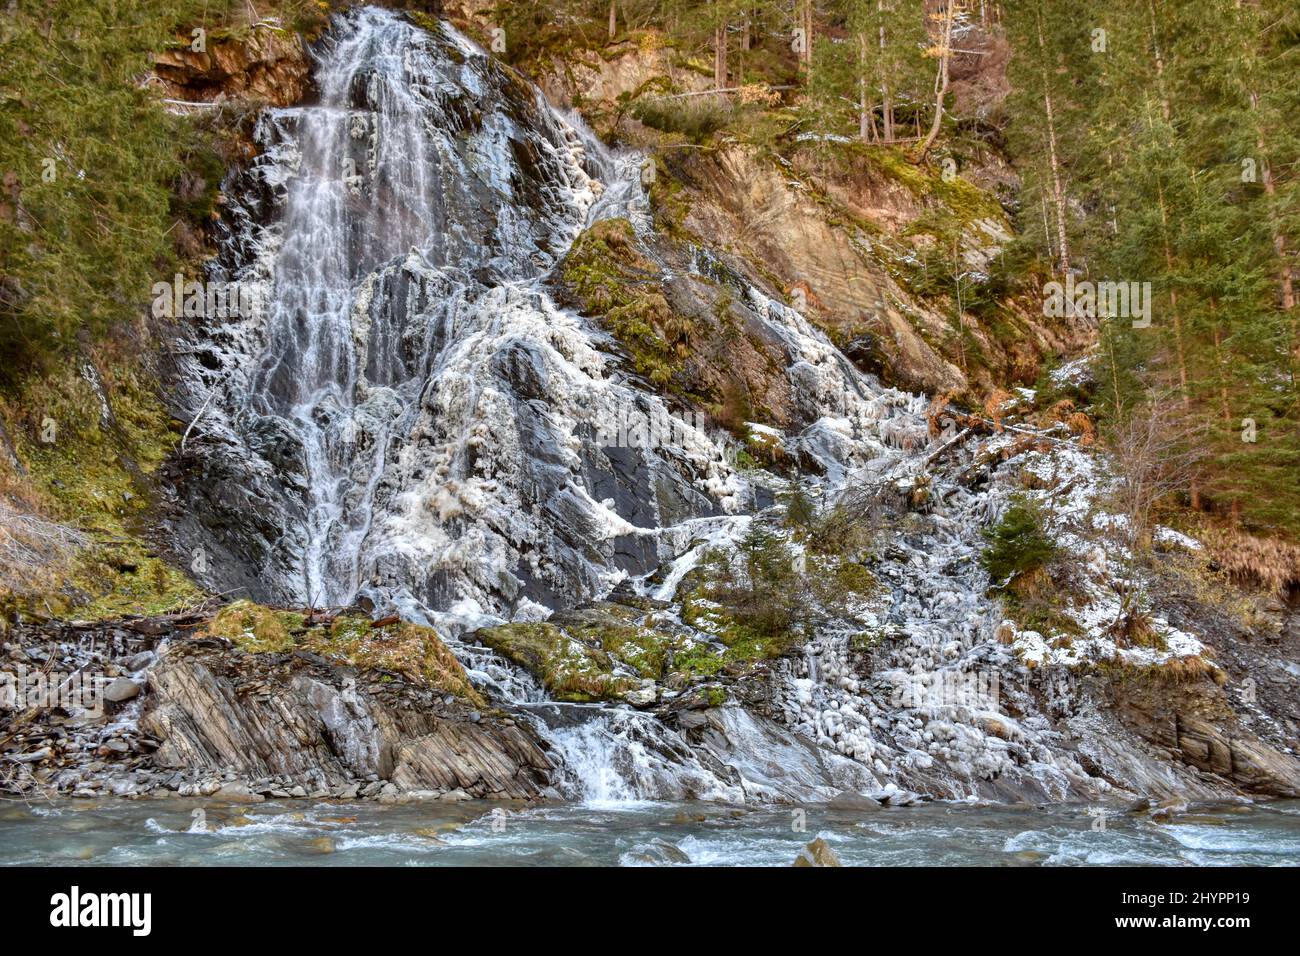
[1160, 61]
[1194, 491]
[864, 128]
[720, 56]
[887, 100]
[613, 18]
[940, 81]
[807, 20]
[1285, 279]
[1058, 191]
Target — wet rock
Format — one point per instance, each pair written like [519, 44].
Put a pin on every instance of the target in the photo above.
[123, 688]
[260, 63]
[1193, 726]
[641, 696]
[851, 801]
[310, 727]
[817, 853]
[321, 845]
[658, 851]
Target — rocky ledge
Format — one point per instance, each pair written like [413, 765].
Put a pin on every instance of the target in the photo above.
[177, 713]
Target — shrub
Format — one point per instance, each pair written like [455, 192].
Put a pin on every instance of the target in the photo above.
[697, 117]
[1017, 543]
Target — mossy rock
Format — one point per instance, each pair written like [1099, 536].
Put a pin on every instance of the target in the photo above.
[90, 434]
[257, 629]
[604, 651]
[411, 650]
[614, 282]
[627, 635]
[570, 669]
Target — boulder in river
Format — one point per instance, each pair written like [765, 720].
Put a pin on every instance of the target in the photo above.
[817, 853]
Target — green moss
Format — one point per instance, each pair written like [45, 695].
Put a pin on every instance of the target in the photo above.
[584, 660]
[715, 696]
[966, 202]
[866, 641]
[617, 285]
[257, 629]
[571, 670]
[126, 579]
[1172, 672]
[670, 201]
[961, 200]
[92, 470]
[851, 578]
[699, 661]
[643, 649]
[745, 639]
[411, 650]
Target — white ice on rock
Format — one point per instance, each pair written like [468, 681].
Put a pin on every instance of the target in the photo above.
[446, 409]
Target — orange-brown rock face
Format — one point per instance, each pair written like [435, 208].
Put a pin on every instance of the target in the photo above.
[267, 64]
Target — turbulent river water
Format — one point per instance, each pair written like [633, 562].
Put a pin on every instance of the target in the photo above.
[635, 834]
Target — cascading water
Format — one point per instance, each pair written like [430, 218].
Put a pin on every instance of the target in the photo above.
[413, 212]
[374, 183]
[335, 233]
[423, 419]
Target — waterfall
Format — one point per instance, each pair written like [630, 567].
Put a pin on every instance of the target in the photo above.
[380, 182]
[415, 212]
[336, 232]
[419, 419]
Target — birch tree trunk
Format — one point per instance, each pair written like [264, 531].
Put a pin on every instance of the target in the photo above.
[1058, 190]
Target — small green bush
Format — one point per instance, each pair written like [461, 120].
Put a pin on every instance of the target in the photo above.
[1017, 543]
[697, 117]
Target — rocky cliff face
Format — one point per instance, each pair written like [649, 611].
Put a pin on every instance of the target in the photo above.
[643, 448]
[268, 65]
[854, 236]
[166, 712]
[297, 720]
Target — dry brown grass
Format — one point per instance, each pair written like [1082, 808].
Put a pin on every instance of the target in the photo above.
[1202, 579]
[1180, 671]
[1271, 563]
[1135, 629]
[1189, 670]
[993, 407]
[1082, 426]
[1064, 412]
[35, 552]
[938, 405]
